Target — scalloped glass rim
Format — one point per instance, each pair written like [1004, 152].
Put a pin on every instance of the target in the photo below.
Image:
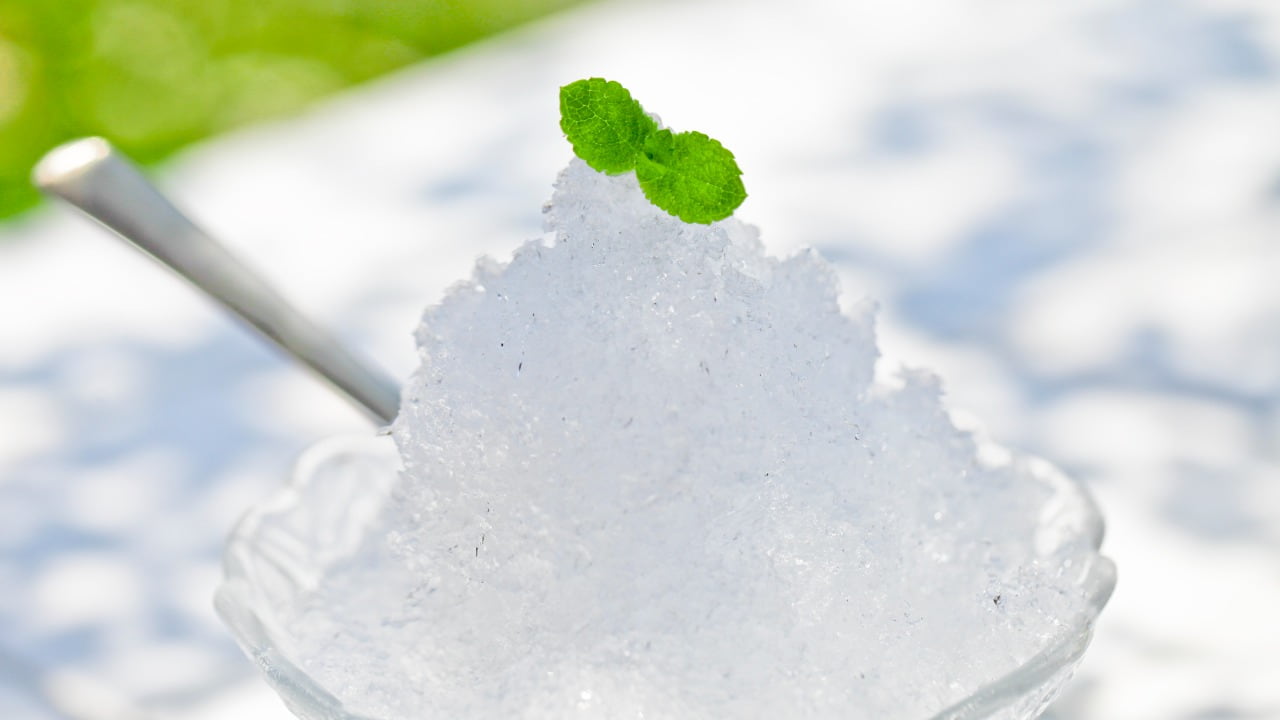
[279, 548]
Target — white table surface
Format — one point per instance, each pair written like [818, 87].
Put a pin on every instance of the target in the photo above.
[1070, 210]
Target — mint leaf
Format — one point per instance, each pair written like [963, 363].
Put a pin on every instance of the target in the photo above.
[690, 176]
[687, 174]
[605, 126]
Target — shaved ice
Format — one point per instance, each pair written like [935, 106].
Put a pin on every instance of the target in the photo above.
[648, 471]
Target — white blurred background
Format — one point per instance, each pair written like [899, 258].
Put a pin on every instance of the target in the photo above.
[1068, 209]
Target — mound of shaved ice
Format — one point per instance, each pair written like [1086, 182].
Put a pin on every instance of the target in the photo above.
[648, 473]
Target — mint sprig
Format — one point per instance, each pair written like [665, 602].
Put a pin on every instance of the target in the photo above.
[687, 174]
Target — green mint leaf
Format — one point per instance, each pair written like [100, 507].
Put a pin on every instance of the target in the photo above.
[690, 176]
[687, 174]
[605, 126]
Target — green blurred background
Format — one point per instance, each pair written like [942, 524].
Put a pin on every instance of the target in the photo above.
[154, 75]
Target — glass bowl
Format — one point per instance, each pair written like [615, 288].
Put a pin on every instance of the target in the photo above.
[282, 548]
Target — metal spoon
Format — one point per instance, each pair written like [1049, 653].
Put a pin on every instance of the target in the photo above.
[101, 182]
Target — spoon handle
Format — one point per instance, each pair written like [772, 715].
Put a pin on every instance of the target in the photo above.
[98, 180]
